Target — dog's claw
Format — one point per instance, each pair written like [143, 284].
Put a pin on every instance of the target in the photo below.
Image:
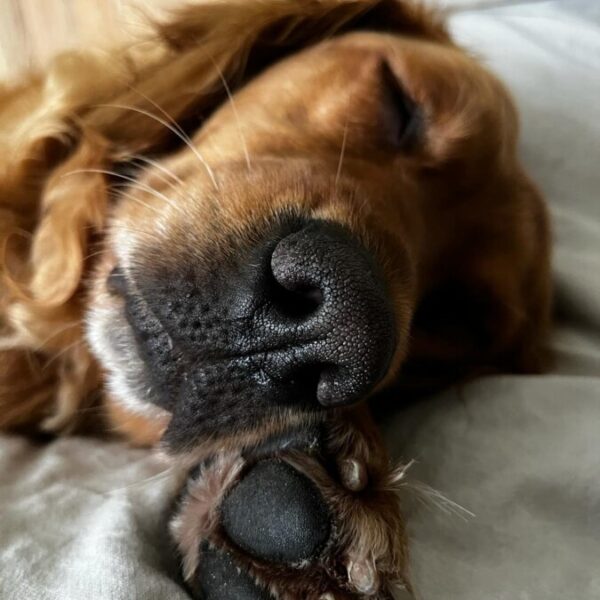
[354, 474]
[362, 575]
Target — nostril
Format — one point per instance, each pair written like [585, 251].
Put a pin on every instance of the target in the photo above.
[312, 295]
[307, 379]
[298, 300]
[298, 303]
[349, 340]
[308, 376]
[325, 382]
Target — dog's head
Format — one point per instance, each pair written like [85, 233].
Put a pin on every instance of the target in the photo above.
[291, 178]
[270, 267]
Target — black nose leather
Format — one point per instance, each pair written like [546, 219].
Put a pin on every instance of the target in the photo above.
[336, 299]
[298, 317]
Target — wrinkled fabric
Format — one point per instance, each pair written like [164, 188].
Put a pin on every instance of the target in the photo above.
[82, 519]
[515, 460]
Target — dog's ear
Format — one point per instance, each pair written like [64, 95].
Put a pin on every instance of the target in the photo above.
[49, 217]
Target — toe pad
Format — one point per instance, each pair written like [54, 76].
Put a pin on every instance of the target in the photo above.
[220, 579]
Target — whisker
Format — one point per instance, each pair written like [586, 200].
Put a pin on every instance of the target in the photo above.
[177, 190]
[143, 482]
[425, 492]
[92, 254]
[437, 499]
[176, 130]
[235, 114]
[132, 180]
[342, 154]
[453, 506]
[127, 229]
[400, 471]
[121, 193]
[400, 592]
[15, 342]
[180, 132]
[157, 165]
[57, 333]
[162, 110]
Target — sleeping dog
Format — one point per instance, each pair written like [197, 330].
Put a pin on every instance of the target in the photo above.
[220, 240]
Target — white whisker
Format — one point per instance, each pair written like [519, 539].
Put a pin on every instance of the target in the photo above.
[126, 229]
[15, 341]
[158, 107]
[156, 164]
[436, 498]
[123, 194]
[235, 114]
[176, 130]
[342, 154]
[93, 254]
[158, 477]
[135, 183]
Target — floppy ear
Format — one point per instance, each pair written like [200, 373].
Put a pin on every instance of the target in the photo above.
[46, 224]
[94, 109]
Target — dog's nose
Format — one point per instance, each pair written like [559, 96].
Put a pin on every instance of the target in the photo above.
[330, 305]
[300, 318]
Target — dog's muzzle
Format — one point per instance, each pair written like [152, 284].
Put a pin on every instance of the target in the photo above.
[300, 319]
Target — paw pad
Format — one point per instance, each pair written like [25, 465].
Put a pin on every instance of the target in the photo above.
[222, 579]
[298, 523]
[277, 514]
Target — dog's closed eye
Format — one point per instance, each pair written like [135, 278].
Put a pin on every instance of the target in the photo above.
[402, 116]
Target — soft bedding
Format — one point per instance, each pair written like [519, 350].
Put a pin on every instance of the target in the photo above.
[81, 518]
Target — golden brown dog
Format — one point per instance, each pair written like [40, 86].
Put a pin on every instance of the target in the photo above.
[266, 212]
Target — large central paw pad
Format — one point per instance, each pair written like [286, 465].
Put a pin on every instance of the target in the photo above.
[276, 514]
[297, 525]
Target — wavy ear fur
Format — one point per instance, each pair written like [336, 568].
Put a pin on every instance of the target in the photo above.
[71, 118]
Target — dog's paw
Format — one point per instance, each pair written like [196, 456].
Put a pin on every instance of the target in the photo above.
[320, 522]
